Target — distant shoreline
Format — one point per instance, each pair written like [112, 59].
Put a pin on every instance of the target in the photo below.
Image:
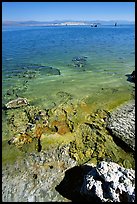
[59, 25]
[66, 23]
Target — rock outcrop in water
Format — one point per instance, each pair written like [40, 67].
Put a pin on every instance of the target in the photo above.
[121, 124]
[17, 103]
[131, 77]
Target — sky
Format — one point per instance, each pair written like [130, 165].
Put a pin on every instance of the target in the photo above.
[49, 11]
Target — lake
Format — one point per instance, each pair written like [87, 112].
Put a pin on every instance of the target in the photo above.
[80, 62]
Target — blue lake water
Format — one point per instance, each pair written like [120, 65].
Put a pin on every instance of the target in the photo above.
[107, 54]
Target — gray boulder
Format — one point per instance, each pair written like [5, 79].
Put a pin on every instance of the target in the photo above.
[121, 124]
[109, 182]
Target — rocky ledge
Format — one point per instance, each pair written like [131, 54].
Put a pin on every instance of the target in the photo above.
[121, 124]
[38, 177]
[105, 182]
[34, 178]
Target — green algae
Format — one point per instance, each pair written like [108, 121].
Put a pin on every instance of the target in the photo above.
[10, 154]
[83, 111]
[107, 99]
[95, 144]
[87, 135]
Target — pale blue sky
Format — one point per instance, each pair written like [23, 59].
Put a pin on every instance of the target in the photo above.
[48, 11]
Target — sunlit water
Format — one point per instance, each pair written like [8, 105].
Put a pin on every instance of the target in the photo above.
[109, 54]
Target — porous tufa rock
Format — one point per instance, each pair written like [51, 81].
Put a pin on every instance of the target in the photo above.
[19, 102]
[109, 182]
[121, 124]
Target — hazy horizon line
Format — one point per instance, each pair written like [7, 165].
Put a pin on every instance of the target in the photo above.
[66, 20]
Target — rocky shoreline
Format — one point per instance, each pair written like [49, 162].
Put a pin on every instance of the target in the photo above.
[69, 153]
[37, 177]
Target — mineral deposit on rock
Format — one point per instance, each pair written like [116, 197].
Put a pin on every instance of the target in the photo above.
[17, 103]
[109, 182]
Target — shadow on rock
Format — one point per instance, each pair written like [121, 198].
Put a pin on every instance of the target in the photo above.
[70, 186]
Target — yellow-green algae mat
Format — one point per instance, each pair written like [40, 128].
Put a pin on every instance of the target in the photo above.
[79, 123]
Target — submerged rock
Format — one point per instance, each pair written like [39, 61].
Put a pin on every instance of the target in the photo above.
[32, 69]
[17, 103]
[109, 182]
[79, 62]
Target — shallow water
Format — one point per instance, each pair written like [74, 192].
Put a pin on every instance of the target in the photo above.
[108, 52]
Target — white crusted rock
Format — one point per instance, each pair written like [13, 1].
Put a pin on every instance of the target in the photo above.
[109, 182]
[19, 102]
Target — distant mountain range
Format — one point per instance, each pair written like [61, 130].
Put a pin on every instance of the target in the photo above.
[63, 22]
